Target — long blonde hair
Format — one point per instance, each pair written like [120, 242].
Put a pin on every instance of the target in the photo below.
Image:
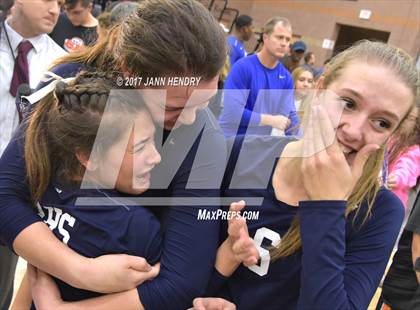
[367, 187]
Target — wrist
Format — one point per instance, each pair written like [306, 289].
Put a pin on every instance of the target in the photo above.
[226, 263]
[266, 120]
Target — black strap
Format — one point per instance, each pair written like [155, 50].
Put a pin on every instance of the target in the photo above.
[8, 39]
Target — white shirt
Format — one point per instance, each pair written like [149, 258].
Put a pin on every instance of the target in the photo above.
[44, 51]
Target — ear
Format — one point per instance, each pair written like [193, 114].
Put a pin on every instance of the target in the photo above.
[320, 82]
[265, 37]
[84, 159]
[319, 86]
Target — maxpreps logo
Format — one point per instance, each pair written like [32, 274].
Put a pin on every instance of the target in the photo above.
[206, 215]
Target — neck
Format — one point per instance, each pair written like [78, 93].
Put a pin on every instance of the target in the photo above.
[21, 28]
[287, 178]
[238, 36]
[90, 21]
[267, 59]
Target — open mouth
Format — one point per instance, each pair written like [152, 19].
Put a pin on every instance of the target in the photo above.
[142, 178]
[347, 150]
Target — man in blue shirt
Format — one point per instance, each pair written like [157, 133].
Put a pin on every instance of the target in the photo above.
[259, 89]
[242, 33]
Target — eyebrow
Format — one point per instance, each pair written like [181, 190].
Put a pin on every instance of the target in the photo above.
[359, 96]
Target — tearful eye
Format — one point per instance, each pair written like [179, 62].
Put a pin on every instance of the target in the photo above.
[382, 124]
[348, 103]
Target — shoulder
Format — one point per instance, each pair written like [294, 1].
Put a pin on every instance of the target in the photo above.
[283, 70]
[52, 48]
[387, 202]
[231, 40]
[69, 69]
[244, 68]
[387, 211]
[64, 70]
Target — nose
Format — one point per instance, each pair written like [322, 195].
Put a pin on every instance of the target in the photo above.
[54, 8]
[283, 42]
[353, 128]
[154, 157]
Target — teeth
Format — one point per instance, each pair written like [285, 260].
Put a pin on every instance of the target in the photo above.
[345, 149]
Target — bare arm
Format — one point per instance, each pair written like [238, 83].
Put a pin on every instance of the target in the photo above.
[105, 274]
[46, 295]
[23, 299]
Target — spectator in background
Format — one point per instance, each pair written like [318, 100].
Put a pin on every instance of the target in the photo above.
[122, 10]
[303, 79]
[292, 61]
[401, 287]
[76, 26]
[309, 59]
[404, 159]
[108, 19]
[25, 52]
[242, 33]
[259, 90]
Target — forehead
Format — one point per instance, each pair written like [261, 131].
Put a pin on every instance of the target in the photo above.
[306, 74]
[378, 86]
[143, 123]
[75, 8]
[280, 29]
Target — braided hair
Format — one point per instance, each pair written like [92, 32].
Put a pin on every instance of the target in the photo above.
[66, 122]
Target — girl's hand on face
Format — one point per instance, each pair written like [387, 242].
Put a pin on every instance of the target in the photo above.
[242, 246]
[326, 172]
[212, 303]
[117, 273]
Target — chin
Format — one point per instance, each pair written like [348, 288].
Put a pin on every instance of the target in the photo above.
[47, 29]
[172, 125]
[138, 190]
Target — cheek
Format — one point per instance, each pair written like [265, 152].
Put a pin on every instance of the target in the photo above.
[377, 138]
[138, 163]
[126, 170]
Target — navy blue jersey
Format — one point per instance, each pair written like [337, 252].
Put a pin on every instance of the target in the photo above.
[189, 245]
[95, 230]
[341, 261]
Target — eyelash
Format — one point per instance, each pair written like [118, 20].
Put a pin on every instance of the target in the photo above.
[138, 150]
[387, 125]
[347, 101]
